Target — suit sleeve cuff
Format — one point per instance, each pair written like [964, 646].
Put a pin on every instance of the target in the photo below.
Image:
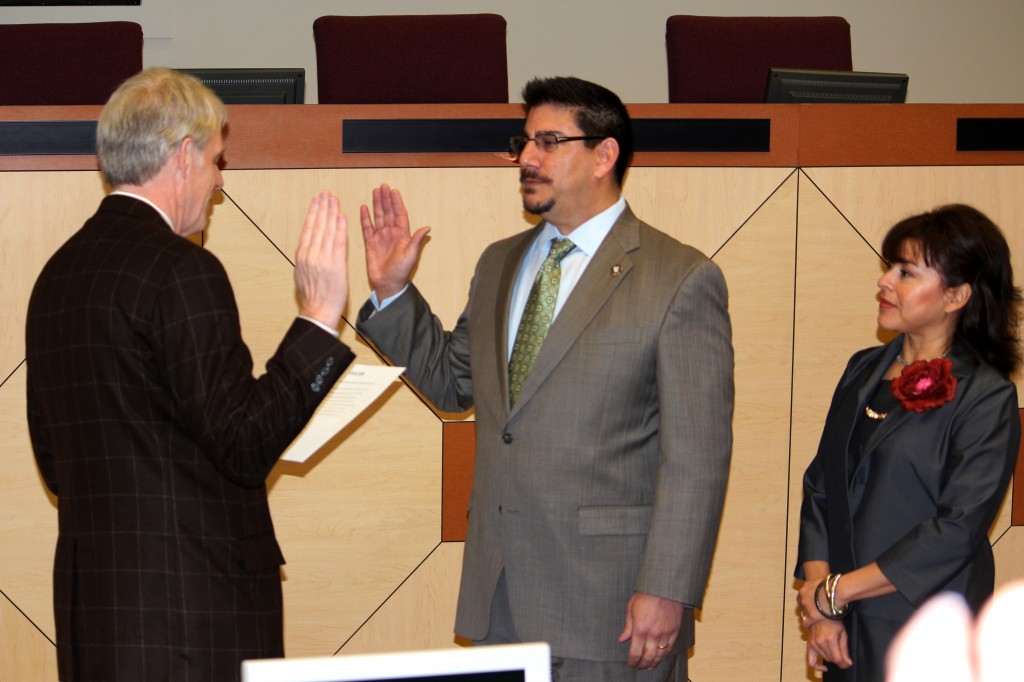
[329, 330]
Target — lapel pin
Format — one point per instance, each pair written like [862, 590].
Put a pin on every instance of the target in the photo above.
[616, 270]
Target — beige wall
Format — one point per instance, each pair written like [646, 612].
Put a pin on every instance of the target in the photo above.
[954, 50]
[360, 524]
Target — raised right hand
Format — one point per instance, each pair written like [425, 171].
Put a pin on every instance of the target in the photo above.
[321, 267]
[391, 251]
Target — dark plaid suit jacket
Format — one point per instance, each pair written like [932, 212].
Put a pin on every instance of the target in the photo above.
[149, 427]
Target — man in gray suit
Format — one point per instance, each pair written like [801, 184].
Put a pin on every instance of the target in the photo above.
[603, 452]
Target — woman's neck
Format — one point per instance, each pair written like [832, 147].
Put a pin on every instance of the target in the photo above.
[915, 349]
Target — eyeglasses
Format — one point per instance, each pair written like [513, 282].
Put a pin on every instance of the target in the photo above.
[546, 142]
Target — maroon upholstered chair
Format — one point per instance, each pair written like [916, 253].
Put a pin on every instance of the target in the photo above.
[411, 59]
[726, 59]
[67, 63]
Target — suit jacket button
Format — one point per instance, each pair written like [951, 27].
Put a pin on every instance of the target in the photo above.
[506, 438]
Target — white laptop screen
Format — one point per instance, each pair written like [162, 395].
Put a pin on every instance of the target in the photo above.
[500, 663]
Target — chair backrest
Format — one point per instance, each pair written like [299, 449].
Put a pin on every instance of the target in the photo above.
[411, 59]
[726, 59]
[57, 64]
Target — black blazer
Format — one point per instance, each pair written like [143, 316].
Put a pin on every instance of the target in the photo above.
[149, 427]
[928, 488]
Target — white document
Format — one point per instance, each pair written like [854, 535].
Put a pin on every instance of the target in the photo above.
[351, 395]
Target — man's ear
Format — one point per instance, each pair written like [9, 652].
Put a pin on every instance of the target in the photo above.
[958, 296]
[607, 155]
[183, 156]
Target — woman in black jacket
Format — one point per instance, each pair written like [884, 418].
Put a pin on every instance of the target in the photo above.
[918, 445]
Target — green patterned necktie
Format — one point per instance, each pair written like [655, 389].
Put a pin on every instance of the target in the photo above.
[537, 315]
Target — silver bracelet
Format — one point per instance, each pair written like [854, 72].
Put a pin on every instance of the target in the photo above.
[829, 587]
[831, 583]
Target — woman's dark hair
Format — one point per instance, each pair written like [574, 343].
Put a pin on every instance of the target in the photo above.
[598, 112]
[965, 246]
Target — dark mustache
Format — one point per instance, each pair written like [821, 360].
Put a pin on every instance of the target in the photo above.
[530, 174]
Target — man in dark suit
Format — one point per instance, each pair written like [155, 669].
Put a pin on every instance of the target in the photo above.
[601, 463]
[144, 415]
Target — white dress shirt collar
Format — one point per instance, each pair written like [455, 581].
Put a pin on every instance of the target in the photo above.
[588, 236]
[144, 200]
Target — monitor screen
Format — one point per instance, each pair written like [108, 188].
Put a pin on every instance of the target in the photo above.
[12, 3]
[498, 663]
[254, 86]
[835, 87]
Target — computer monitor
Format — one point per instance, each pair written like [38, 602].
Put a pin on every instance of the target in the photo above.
[835, 87]
[254, 86]
[529, 662]
[6, 3]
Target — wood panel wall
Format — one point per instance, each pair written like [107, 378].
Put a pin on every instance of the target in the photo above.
[361, 523]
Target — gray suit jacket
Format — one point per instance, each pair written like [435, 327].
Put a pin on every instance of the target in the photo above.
[609, 474]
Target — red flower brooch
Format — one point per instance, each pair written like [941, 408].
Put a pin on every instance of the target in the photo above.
[925, 384]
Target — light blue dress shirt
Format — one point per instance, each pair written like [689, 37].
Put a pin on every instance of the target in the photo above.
[587, 238]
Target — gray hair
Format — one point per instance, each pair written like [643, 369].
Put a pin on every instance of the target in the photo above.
[146, 119]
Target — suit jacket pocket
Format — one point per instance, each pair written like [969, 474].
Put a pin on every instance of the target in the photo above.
[615, 520]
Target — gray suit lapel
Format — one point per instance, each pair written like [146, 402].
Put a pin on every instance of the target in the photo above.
[607, 270]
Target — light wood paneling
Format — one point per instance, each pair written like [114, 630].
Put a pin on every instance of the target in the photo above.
[702, 207]
[38, 211]
[360, 523]
[27, 654]
[359, 517]
[758, 265]
[357, 522]
[28, 516]
[421, 612]
[873, 199]
[1008, 549]
[466, 209]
